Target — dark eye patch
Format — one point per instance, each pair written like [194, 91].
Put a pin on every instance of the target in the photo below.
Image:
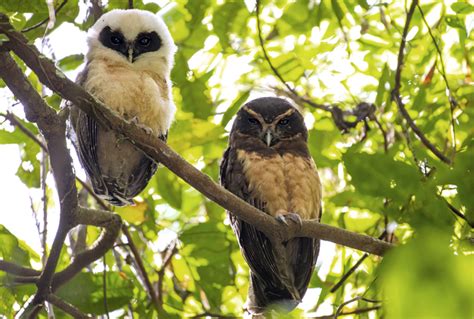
[113, 40]
[252, 120]
[284, 122]
[146, 42]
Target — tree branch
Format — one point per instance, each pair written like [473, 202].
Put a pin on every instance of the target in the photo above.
[111, 224]
[396, 90]
[52, 127]
[66, 307]
[141, 267]
[17, 270]
[160, 152]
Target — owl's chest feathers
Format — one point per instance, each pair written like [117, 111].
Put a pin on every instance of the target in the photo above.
[286, 183]
[132, 93]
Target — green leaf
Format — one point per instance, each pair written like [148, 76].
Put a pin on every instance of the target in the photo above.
[85, 291]
[232, 110]
[193, 90]
[455, 22]
[206, 245]
[23, 6]
[381, 176]
[462, 175]
[71, 62]
[169, 188]
[223, 20]
[337, 10]
[13, 249]
[382, 91]
[415, 278]
[462, 7]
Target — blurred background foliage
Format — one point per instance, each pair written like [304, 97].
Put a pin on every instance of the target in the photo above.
[378, 182]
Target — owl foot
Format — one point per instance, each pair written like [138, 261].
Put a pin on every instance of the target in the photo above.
[293, 217]
[136, 121]
[148, 130]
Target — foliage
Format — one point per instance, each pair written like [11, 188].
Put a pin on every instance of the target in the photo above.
[333, 52]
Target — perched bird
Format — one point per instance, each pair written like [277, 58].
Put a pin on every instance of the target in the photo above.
[268, 165]
[128, 63]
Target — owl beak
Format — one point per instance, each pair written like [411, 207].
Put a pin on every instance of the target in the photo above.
[130, 54]
[268, 137]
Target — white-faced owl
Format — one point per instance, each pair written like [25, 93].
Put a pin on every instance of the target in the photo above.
[128, 63]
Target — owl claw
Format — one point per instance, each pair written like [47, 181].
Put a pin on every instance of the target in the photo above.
[284, 218]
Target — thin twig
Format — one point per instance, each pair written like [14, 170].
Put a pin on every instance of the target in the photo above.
[353, 312]
[277, 73]
[170, 251]
[44, 187]
[384, 133]
[141, 268]
[39, 24]
[104, 286]
[458, 213]
[345, 303]
[16, 122]
[353, 268]
[396, 90]
[452, 101]
[66, 307]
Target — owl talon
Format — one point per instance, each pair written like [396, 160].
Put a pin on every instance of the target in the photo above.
[293, 217]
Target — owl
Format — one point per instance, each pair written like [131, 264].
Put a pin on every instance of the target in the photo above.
[268, 165]
[128, 63]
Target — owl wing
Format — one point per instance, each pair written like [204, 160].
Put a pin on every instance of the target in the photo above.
[84, 135]
[267, 285]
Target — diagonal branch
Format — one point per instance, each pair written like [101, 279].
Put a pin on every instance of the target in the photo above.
[66, 307]
[396, 91]
[160, 152]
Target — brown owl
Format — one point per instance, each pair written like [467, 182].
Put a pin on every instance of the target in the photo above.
[268, 164]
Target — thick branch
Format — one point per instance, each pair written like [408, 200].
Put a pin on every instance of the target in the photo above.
[396, 91]
[111, 224]
[53, 129]
[159, 151]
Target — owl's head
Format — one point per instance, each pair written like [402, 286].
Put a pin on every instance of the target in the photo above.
[137, 37]
[271, 120]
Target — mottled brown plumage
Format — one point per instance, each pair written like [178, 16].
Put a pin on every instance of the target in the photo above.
[268, 165]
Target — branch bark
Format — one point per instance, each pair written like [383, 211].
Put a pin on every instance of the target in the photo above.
[52, 126]
[160, 152]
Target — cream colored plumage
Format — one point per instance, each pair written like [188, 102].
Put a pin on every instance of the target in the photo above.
[128, 68]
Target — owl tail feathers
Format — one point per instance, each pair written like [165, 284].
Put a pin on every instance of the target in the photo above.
[117, 200]
[263, 299]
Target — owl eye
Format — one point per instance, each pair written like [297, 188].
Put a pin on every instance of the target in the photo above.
[145, 41]
[116, 40]
[283, 122]
[252, 120]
